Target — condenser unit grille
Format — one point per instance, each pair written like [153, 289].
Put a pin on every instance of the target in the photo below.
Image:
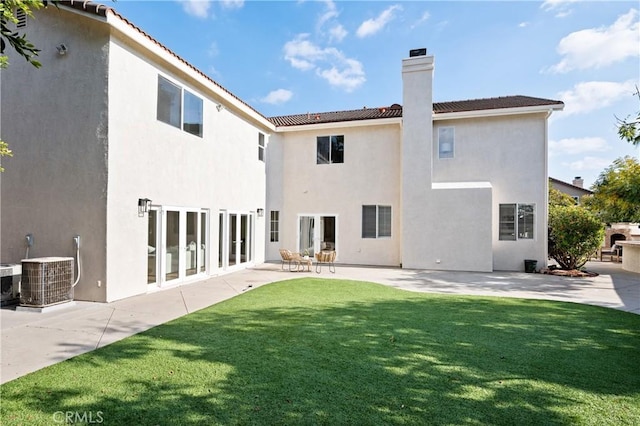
[46, 281]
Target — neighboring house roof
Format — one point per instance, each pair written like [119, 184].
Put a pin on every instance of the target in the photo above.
[395, 110]
[102, 10]
[570, 185]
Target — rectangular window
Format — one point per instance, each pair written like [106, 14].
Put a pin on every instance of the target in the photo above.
[330, 149]
[261, 148]
[171, 98]
[274, 229]
[376, 221]
[516, 222]
[169, 102]
[445, 142]
[192, 114]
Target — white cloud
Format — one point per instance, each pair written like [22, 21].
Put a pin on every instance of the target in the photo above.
[425, 16]
[337, 33]
[572, 146]
[331, 13]
[372, 26]
[349, 77]
[329, 63]
[560, 7]
[232, 4]
[592, 95]
[523, 24]
[600, 47]
[588, 163]
[277, 97]
[197, 8]
[213, 49]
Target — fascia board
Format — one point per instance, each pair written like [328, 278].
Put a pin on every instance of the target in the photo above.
[155, 49]
[341, 124]
[498, 112]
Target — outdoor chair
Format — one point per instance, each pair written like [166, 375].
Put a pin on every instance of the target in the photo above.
[615, 250]
[326, 257]
[288, 256]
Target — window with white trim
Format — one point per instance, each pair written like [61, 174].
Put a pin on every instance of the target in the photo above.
[330, 149]
[445, 142]
[516, 222]
[171, 99]
[376, 221]
[274, 229]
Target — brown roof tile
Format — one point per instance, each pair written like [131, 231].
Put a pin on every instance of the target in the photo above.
[395, 110]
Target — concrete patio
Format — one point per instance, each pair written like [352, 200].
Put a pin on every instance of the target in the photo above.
[31, 341]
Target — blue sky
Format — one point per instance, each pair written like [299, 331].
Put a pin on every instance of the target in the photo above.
[290, 57]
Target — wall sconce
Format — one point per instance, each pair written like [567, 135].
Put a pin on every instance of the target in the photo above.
[260, 212]
[62, 49]
[220, 107]
[144, 205]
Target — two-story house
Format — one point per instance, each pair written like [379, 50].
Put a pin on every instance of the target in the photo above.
[168, 177]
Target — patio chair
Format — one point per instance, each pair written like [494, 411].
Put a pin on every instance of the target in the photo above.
[288, 256]
[326, 257]
[615, 250]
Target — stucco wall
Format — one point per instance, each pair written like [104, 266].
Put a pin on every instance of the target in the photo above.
[510, 153]
[151, 159]
[55, 120]
[370, 175]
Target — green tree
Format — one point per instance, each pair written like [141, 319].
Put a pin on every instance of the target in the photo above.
[574, 235]
[616, 196]
[629, 129]
[559, 198]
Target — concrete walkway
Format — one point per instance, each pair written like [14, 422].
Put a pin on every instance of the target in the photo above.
[31, 341]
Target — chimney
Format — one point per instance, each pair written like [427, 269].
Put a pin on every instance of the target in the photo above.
[578, 181]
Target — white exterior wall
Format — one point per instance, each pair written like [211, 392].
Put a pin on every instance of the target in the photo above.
[152, 159]
[370, 175]
[510, 152]
[55, 121]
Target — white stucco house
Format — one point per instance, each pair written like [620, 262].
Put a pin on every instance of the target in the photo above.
[114, 118]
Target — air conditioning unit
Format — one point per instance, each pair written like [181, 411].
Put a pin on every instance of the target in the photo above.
[10, 275]
[46, 281]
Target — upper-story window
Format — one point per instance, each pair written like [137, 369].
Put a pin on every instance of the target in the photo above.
[170, 111]
[445, 142]
[260, 147]
[330, 149]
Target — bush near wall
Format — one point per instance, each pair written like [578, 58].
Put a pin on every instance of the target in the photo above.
[574, 235]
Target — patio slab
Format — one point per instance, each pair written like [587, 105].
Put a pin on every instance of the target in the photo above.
[31, 341]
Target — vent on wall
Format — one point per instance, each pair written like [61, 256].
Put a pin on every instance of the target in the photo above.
[46, 281]
[21, 16]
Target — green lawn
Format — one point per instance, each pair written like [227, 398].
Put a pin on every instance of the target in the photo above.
[313, 351]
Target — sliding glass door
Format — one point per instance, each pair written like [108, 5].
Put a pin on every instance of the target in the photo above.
[317, 233]
[235, 239]
[177, 244]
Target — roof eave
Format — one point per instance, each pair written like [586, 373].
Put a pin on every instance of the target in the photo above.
[536, 109]
[341, 124]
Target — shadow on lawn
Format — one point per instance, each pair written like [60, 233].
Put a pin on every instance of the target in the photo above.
[384, 357]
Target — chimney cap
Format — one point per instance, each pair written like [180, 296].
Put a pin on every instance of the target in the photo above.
[418, 52]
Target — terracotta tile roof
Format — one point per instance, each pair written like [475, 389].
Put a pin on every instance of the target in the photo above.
[101, 10]
[517, 101]
[395, 110]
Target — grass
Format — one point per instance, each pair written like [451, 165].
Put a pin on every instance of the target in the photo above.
[332, 352]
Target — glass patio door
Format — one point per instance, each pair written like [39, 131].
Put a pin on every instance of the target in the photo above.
[317, 233]
[184, 243]
[236, 231]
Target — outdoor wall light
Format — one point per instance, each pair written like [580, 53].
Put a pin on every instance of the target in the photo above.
[260, 212]
[144, 205]
[62, 49]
